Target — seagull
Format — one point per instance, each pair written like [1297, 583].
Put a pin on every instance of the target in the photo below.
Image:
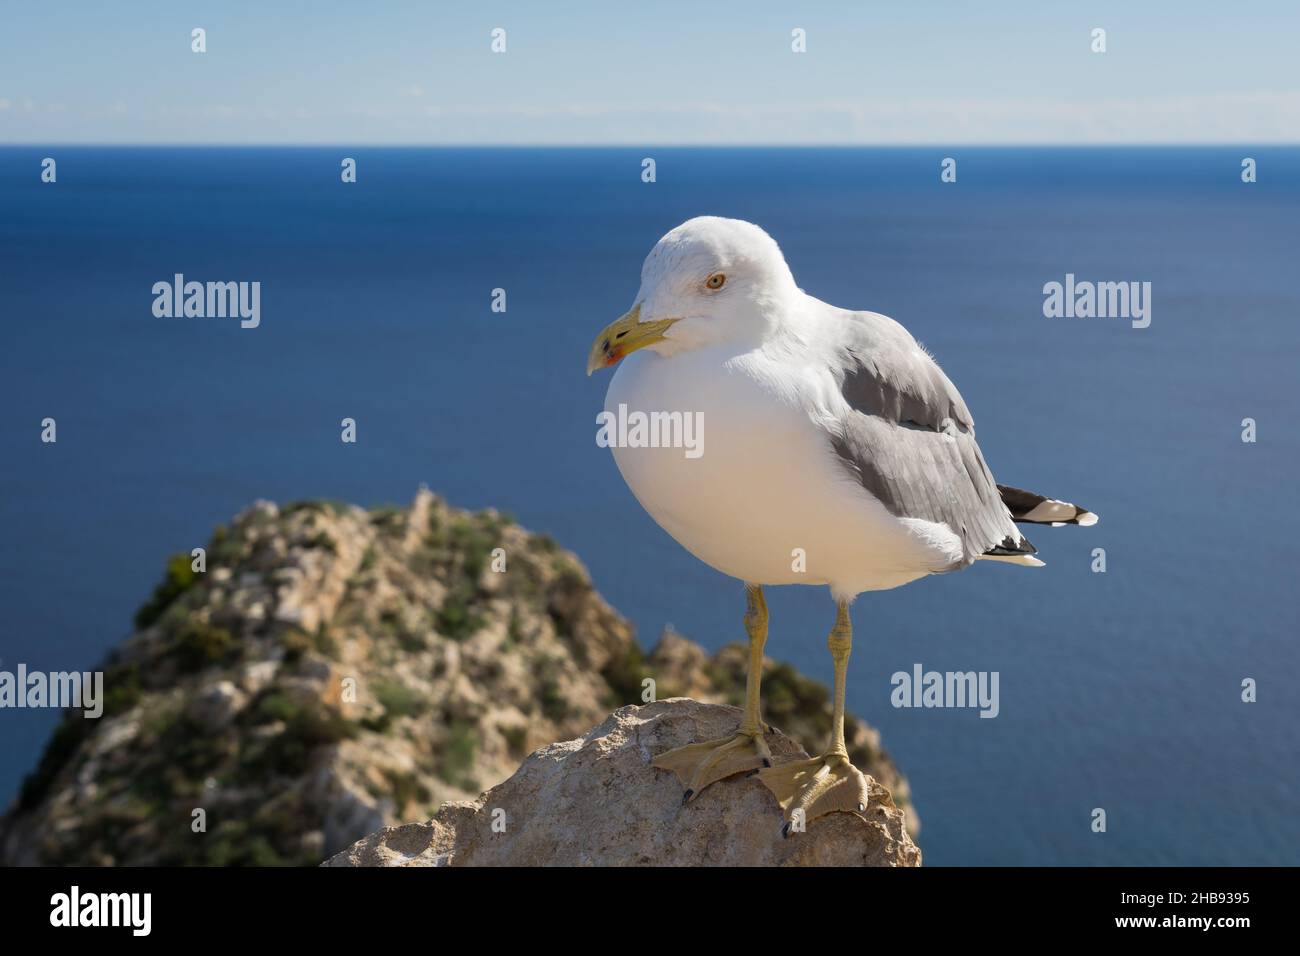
[837, 453]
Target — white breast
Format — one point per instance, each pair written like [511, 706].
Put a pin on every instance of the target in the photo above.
[766, 487]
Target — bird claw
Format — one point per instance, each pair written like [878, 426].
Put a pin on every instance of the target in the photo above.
[812, 788]
[700, 765]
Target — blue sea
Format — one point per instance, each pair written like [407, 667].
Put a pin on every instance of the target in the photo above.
[1118, 690]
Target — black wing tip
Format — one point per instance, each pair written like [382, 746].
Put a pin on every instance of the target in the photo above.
[1010, 547]
[1028, 507]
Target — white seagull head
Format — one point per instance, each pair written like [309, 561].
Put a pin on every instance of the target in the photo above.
[707, 282]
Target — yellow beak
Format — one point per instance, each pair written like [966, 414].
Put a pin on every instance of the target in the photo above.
[623, 337]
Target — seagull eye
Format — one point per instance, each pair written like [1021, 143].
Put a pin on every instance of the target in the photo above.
[715, 281]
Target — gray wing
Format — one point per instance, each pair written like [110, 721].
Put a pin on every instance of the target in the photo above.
[910, 440]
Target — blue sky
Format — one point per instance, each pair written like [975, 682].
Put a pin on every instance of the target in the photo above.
[648, 73]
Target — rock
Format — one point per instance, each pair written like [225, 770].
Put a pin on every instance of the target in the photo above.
[258, 676]
[217, 705]
[597, 801]
[683, 666]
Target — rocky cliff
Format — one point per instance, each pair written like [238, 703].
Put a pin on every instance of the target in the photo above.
[334, 670]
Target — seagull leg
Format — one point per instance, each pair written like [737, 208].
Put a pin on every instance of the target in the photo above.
[698, 765]
[807, 789]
